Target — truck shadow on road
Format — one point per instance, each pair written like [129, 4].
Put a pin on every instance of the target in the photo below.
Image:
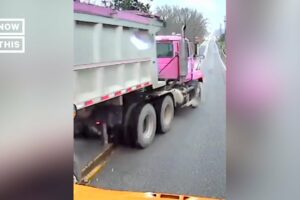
[184, 112]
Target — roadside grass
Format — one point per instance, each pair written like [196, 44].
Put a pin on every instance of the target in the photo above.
[222, 49]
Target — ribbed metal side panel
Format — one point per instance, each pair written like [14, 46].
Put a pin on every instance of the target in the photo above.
[105, 59]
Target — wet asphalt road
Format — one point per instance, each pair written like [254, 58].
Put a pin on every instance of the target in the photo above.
[191, 158]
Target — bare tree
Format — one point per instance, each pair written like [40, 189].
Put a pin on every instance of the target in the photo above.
[175, 17]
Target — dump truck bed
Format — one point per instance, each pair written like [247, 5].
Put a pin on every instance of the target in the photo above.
[108, 61]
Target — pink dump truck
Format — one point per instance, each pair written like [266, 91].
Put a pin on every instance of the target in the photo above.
[128, 82]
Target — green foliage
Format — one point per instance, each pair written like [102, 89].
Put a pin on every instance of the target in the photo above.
[222, 42]
[131, 5]
[222, 38]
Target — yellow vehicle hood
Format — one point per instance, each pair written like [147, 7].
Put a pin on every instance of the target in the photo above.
[82, 192]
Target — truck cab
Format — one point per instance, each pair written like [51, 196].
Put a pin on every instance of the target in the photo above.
[176, 59]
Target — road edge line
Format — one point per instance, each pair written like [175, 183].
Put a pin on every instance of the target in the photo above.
[223, 64]
[94, 167]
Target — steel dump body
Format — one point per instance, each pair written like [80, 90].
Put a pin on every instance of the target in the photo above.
[107, 62]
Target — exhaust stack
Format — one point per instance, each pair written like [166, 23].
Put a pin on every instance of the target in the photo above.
[183, 56]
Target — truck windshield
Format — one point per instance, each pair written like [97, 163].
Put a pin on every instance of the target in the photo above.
[164, 50]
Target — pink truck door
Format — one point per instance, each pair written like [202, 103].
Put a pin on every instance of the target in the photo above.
[167, 60]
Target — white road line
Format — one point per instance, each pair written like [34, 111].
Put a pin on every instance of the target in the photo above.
[223, 65]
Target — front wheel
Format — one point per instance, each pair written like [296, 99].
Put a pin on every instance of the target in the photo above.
[198, 95]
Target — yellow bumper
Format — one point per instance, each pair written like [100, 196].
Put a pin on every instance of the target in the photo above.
[89, 193]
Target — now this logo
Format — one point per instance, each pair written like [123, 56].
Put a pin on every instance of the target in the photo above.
[12, 35]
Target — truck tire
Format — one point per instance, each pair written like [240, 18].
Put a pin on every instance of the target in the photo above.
[127, 137]
[198, 95]
[143, 125]
[80, 129]
[165, 114]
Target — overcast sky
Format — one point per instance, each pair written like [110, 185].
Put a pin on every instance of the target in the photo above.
[213, 10]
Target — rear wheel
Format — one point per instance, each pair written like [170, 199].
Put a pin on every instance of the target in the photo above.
[143, 125]
[165, 114]
[127, 137]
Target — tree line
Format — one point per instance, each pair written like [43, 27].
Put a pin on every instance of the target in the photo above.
[174, 17]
